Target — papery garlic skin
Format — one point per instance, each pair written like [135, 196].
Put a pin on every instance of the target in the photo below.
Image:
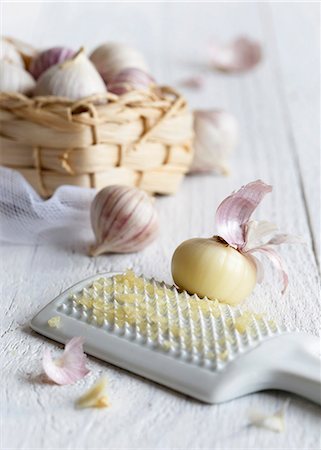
[124, 220]
[113, 57]
[74, 79]
[15, 79]
[216, 135]
[211, 268]
[238, 56]
[129, 79]
[48, 58]
[10, 54]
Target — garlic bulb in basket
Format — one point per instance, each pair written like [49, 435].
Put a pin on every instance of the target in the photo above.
[15, 79]
[223, 267]
[129, 79]
[124, 220]
[216, 134]
[74, 79]
[48, 58]
[10, 54]
[111, 58]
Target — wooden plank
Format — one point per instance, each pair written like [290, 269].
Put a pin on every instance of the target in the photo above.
[296, 58]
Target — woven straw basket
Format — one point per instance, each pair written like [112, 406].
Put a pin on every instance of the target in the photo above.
[141, 139]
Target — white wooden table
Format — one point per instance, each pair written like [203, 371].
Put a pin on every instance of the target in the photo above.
[277, 107]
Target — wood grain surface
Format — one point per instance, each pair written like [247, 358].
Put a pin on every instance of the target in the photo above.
[277, 106]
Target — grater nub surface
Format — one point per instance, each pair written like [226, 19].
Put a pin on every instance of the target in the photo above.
[157, 316]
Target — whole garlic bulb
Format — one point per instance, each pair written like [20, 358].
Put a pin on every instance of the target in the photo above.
[10, 54]
[129, 79]
[111, 58]
[15, 79]
[74, 79]
[48, 58]
[124, 220]
[212, 268]
[216, 134]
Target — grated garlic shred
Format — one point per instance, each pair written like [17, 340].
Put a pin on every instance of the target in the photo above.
[54, 322]
[95, 397]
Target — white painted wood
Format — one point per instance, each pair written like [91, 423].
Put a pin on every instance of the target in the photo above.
[143, 415]
[297, 63]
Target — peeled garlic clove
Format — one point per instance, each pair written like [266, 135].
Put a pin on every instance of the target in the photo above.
[211, 268]
[111, 58]
[10, 54]
[216, 134]
[48, 58]
[124, 220]
[74, 79]
[15, 79]
[129, 79]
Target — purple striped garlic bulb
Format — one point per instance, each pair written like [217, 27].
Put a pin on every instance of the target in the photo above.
[113, 57]
[216, 134]
[74, 79]
[123, 219]
[130, 79]
[48, 58]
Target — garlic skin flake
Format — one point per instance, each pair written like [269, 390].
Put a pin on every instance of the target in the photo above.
[71, 367]
[113, 57]
[74, 79]
[216, 135]
[238, 56]
[124, 220]
[95, 397]
[48, 58]
[14, 78]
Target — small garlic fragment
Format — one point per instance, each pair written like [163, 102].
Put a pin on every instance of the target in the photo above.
[274, 422]
[113, 57]
[54, 322]
[124, 220]
[216, 135]
[10, 54]
[95, 397]
[14, 78]
[74, 79]
[41, 62]
[129, 79]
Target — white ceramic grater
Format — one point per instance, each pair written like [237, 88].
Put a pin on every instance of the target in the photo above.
[204, 349]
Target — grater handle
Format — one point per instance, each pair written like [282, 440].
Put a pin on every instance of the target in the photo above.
[299, 366]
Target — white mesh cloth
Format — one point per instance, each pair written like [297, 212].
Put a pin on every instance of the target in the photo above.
[25, 218]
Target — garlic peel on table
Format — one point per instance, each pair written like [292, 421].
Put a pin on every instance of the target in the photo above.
[238, 56]
[224, 267]
[71, 367]
[124, 220]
